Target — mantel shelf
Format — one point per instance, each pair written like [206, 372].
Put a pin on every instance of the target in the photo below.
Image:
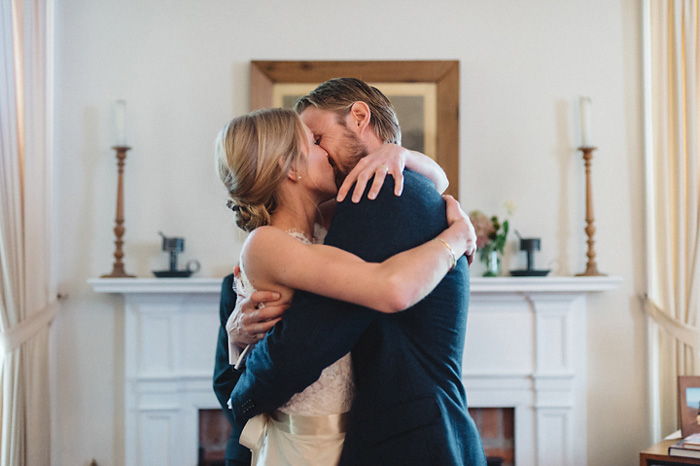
[479, 285]
[543, 284]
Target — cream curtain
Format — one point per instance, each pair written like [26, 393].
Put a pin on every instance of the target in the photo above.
[673, 197]
[27, 296]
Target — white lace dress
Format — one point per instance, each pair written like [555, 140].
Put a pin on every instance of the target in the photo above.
[309, 429]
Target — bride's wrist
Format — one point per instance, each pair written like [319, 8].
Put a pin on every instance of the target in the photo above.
[457, 236]
[450, 252]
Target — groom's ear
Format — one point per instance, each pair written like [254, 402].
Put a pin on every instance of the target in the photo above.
[360, 115]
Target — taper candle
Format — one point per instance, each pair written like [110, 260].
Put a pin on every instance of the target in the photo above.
[120, 122]
[585, 104]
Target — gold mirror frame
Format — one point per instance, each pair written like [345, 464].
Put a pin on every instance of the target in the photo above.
[444, 74]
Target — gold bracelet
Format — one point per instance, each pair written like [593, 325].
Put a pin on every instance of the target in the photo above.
[453, 259]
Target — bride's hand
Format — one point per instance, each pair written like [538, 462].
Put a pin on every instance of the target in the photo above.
[388, 159]
[457, 217]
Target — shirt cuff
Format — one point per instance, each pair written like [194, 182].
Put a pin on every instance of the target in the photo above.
[234, 352]
[240, 361]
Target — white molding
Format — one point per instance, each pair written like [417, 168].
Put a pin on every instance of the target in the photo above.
[155, 285]
[479, 285]
[653, 390]
[543, 284]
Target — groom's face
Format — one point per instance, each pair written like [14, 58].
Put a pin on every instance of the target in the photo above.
[337, 137]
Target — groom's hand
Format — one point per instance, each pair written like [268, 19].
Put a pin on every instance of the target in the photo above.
[250, 321]
[254, 316]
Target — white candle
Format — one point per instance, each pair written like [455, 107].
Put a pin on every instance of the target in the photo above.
[120, 122]
[585, 104]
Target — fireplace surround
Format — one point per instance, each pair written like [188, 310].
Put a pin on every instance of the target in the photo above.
[525, 349]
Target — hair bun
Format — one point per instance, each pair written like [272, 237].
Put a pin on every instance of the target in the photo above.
[249, 217]
[231, 204]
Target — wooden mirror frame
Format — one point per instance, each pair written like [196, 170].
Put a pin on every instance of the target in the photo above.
[443, 73]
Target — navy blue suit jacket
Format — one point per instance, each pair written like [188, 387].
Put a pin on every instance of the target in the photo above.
[225, 377]
[410, 406]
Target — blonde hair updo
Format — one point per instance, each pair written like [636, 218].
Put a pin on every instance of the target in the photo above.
[253, 154]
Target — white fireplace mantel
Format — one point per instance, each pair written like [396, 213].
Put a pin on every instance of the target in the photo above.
[525, 349]
[478, 285]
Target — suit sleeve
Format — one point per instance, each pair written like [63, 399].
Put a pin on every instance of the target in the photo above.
[319, 329]
[225, 377]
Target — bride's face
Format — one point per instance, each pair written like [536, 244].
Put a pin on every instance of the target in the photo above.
[319, 175]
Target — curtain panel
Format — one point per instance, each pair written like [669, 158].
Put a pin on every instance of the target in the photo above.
[673, 199]
[27, 293]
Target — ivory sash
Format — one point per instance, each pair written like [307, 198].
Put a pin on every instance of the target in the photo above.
[310, 425]
[256, 428]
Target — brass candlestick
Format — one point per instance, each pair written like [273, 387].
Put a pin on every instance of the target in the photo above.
[118, 269]
[591, 267]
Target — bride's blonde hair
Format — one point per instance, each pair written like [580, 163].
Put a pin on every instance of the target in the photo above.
[253, 154]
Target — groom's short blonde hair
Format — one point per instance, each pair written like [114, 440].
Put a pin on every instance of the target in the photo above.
[338, 95]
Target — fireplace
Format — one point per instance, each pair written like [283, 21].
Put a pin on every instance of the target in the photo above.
[495, 426]
[525, 357]
[214, 431]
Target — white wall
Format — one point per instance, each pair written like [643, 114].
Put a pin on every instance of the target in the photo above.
[183, 69]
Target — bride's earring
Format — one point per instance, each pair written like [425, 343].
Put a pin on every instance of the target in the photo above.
[293, 175]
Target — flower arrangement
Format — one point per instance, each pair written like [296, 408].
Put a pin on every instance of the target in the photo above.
[491, 235]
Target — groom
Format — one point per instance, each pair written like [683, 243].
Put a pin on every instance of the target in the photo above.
[410, 407]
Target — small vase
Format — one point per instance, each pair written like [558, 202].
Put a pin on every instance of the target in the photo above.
[493, 264]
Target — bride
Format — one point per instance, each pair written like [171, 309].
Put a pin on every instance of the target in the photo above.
[281, 187]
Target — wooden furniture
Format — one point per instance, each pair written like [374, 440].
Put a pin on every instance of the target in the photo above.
[118, 268]
[591, 267]
[658, 455]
